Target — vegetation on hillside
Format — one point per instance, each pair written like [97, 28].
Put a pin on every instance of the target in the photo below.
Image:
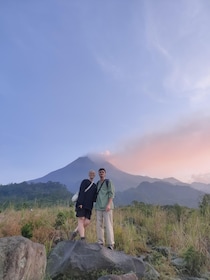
[25, 195]
[139, 229]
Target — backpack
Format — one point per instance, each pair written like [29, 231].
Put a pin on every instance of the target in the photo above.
[107, 182]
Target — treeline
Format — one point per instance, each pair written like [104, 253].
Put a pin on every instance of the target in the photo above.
[24, 195]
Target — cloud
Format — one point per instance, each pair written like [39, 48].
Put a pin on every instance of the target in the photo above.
[179, 152]
[186, 81]
[182, 47]
[106, 153]
[110, 67]
[202, 178]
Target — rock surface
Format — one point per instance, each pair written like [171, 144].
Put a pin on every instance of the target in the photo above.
[20, 258]
[79, 260]
[127, 276]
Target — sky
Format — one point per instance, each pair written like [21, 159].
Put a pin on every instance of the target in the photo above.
[126, 79]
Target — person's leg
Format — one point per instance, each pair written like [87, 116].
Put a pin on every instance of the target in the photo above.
[81, 228]
[84, 216]
[73, 234]
[83, 222]
[76, 229]
[99, 227]
[108, 221]
[79, 214]
[86, 222]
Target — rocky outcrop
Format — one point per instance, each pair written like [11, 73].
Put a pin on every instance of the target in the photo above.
[20, 258]
[79, 260]
[127, 276]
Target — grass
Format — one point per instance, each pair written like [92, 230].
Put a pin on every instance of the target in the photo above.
[138, 229]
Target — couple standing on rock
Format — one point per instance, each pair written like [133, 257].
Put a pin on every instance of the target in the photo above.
[102, 194]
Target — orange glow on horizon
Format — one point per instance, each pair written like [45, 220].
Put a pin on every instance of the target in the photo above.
[183, 153]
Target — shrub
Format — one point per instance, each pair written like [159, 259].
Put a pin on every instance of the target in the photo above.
[27, 230]
[194, 261]
[60, 219]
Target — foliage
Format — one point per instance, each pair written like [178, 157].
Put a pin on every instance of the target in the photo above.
[27, 230]
[61, 219]
[178, 212]
[146, 209]
[138, 229]
[195, 261]
[205, 205]
[30, 195]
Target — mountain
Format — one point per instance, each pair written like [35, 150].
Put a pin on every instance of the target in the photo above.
[128, 187]
[160, 193]
[201, 186]
[72, 174]
[174, 181]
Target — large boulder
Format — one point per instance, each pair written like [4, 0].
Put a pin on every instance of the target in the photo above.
[80, 260]
[20, 258]
[127, 276]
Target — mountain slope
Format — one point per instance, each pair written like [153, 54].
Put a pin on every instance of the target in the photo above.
[160, 193]
[128, 187]
[201, 186]
[42, 194]
[72, 174]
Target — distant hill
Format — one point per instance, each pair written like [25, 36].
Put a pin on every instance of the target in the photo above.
[160, 193]
[30, 194]
[201, 186]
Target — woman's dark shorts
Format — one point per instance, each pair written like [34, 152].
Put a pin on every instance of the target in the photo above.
[83, 213]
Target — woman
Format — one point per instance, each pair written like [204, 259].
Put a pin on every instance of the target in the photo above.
[84, 205]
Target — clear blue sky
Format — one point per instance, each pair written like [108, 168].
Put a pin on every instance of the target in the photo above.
[127, 78]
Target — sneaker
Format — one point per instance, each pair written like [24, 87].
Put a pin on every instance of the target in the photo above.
[110, 247]
[72, 235]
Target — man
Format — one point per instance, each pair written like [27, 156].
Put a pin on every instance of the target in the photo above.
[104, 209]
[84, 205]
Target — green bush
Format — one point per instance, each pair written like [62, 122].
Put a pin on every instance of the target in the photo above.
[61, 219]
[195, 261]
[27, 230]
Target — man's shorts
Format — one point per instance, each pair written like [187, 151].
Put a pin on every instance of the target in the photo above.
[83, 213]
